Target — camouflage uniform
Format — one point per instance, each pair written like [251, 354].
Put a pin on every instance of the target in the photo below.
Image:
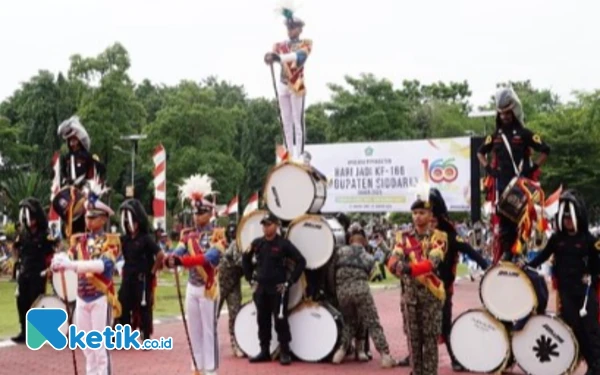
[415, 259]
[230, 275]
[353, 268]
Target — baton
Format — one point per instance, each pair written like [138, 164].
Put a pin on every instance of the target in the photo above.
[280, 316]
[583, 311]
[185, 325]
[63, 283]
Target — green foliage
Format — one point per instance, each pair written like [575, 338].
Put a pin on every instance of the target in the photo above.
[21, 186]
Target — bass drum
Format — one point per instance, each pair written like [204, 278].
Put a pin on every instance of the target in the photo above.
[316, 237]
[296, 293]
[249, 229]
[315, 330]
[246, 331]
[480, 343]
[67, 197]
[545, 346]
[53, 302]
[292, 190]
[70, 287]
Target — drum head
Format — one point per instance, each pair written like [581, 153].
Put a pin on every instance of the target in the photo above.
[314, 332]
[296, 294]
[246, 331]
[70, 286]
[249, 229]
[546, 346]
[53, 302]
[479, 342]
[289, 191]
[507, 293]
[313, 237]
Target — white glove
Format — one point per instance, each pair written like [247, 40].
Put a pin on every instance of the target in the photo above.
[59, 262]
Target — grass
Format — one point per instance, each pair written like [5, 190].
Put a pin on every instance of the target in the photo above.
[166, 298]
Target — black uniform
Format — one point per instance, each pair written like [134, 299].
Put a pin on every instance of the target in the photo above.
[575, 255]
[35, 251]
[139, 252]
[269, 271]
[86, 165]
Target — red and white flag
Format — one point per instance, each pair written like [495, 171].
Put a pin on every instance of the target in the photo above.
[551, 204]
[53, 216]
[231, 209]
[281, 154]
[252, 204]
[159, 205]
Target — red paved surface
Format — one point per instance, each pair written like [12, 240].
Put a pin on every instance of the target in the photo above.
[20, 360]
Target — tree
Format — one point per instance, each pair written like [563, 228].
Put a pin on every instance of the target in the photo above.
[21, 186]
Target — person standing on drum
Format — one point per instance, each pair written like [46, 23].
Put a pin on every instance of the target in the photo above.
[292, 55]
[510, 146]
[417, 259]
[143, 257]
[93, 256]
[576, 269]
[265, 269]
[230, 277]
[353, 270]
[36, 247]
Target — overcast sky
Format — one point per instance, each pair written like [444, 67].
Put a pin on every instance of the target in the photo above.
[556, 44]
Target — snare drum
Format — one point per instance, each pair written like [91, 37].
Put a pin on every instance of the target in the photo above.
[316, 237]
[507, 292]
[71, 283]
[315, 330]
[293, 190]
[546, 346]
[249, 229]
[246, 331]
[480, 343]
[53, 302]
[63, 200]
[513, 201]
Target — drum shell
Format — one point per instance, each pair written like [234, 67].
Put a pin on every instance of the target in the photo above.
[513, 201]
[63, 199]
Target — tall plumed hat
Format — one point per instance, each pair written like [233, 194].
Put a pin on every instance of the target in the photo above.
[73, 128]
[421, 197]
[93, 191]
[287, 9]
[508, 100]
[196, 189]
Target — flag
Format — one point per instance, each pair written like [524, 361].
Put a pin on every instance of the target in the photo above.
[230, 209]
[252, 204]
[55, 188]
[551, 204]
[159, 205]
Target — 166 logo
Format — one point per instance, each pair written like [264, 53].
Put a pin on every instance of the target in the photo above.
[440, 170]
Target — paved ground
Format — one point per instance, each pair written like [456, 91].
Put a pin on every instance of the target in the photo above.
[20, 360]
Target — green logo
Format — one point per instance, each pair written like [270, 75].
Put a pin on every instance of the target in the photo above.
[369, 151]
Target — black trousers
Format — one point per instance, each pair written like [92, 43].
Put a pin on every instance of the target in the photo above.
[586, 329]
[447, 321]
[508, 235]
[30, 288]
[268, 304]
[131, 296]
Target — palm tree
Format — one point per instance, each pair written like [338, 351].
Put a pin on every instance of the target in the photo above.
[23, 185]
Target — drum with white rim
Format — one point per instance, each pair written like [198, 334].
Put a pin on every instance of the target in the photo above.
[69, 287]
[249, 229]
[292, 190]
[545, 346]
[315, 238]
[246, 331]
[315, 330]
[480, 343]
[296, 294]
[507, 292]
[53, 302]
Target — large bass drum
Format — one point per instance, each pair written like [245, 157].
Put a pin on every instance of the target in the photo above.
[70, 286]
[315, 330]
[316, 237]
[246, 331]
[514, 199]
[249, 229]
[69, 198]
[293, 190]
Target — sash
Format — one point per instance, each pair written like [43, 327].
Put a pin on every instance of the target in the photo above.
[208, 273]
[413, 250]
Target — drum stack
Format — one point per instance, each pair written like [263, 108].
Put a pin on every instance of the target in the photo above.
[64, 286]
[485, 340]
[295, 193]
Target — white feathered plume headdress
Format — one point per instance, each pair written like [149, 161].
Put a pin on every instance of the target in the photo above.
[93, 191]
[421, 194]
[73, 128]
[195, 189]
[287, 9]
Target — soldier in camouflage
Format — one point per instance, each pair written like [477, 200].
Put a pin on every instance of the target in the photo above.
[415, 259]
[353, 269]
[230, 276]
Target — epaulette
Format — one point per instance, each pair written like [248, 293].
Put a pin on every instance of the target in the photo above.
[113, 239]
[96, 157]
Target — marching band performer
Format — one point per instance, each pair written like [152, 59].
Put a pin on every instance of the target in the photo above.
[143, 257]
[200, 249]
[265, 269]
[36, 247]
[510, 146]
[292, 55]
[353, 270]
[416, 259]
[93, 255]
[230, 277]
[576, 268]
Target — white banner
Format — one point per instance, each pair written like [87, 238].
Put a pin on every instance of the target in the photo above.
[384, 176]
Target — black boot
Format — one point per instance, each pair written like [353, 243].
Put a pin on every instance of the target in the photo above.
[263, 356]
[19, 339]
[285, 357]
[403, 362]
[456, 367]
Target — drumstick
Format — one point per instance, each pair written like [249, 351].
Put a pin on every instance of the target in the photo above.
[185, 326]
[583, 311]
[63, 283]
[280, 316]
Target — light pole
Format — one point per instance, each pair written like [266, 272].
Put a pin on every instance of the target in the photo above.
[484, 115]
[134, 139]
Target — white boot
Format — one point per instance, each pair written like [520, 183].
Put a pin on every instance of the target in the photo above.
[339, 355]
[387, 361]
[360, 351]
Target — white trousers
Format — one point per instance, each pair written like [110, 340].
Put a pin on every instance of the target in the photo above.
[202, 324]
[292, 116]
[95, 315]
